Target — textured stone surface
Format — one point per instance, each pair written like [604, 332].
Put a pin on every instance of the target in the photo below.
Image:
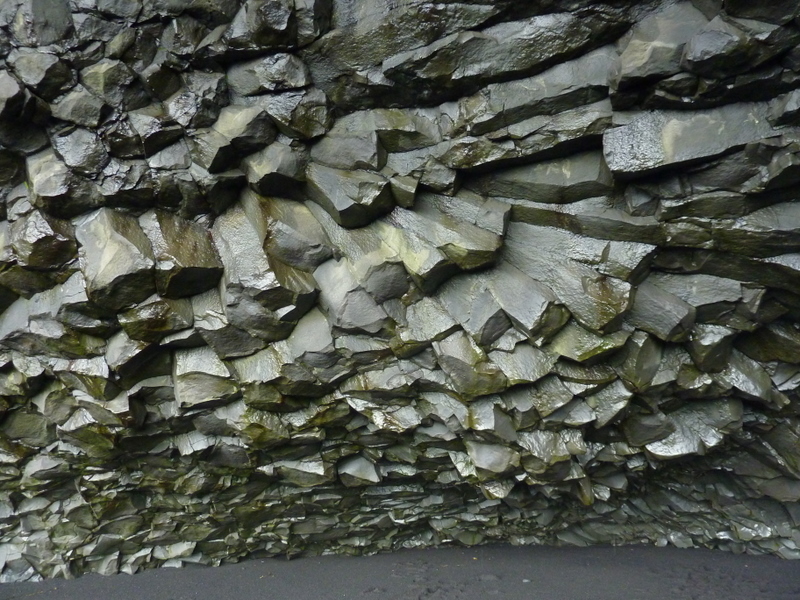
[313, 276]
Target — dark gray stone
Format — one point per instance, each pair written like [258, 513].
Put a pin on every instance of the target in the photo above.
[659, 139]
[186, 262]
[116, 259]
[352, 198]
[43, 73]
[538, 43]
[357, 151]
[81, 150]
[654, 46]
[114, 82]
[277, 170]
[779, 12]
[41, 242]
[262, 26]
[56, 190]
[658, 312]
[248, 128]
[273, 73]
[561, 180]
[41, 22]
[80, 106]
[299, 114]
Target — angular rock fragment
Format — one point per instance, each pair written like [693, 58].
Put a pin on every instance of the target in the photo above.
[347, 304]
[248, 128]
[647, 428]
[80, 106]
[30, 429]
[273, 73]
[583, 80]
[211, 322]
[562, 180]
[537, 138]
[261, 26]
[357, 471]
[116, 259]
[466, 245]
[774, 342]
[186, 261]
[785, 109]
[201, 379]
[640, 361]
[81, 150]
[539, 42]
[41, 242]
[524, 364]
[56, 190]
[467, 366]
[199, 102]
[491, 459]
[779, 12]
[277, 170]
[470, 302]
[12, 97]
[713, 297]
[77, 312]
[609, 402]
[31, 326]
[41, 23]
[698, 428]
[661, 139]
[658, 312]
[212, 150]
[154, 318]
[43, 73]
[425, 321]
[596, 301]
[294, 236]
[655, 45]
[352, 151]
[299, 114]
[751, 381]
[352, 198]
[151, 125]
[546, 456]
[114, 82]
[710, 346]
[766, 232]
[578, 344]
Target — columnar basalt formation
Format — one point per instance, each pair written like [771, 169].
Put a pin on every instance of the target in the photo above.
[304, 276]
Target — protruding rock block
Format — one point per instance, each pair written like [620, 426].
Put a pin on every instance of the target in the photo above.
[347, 304]
[273, 73]
[277, 170]
[41, 242]
[201, 379]
[186, 261]
[156, 317]
[658, 312]
[655, 45]
[562, 180]
[662, 139]
[116, 259]
[248, 128]
[537, 43]
[352, 198]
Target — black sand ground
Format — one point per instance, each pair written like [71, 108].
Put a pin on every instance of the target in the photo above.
[503, 572]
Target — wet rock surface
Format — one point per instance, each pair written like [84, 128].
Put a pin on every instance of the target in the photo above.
[300, 277]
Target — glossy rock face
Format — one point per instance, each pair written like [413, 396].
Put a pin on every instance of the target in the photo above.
[305, 276]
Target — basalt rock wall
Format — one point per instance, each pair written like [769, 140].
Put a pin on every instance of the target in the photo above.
[305, 276]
